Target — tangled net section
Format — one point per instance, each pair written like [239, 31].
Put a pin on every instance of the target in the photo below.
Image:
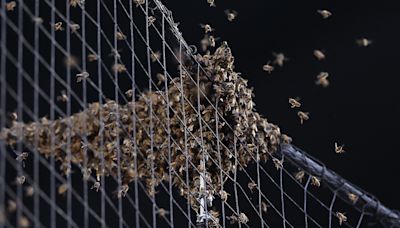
[109, 118]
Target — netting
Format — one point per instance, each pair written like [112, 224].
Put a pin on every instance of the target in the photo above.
[109, 118]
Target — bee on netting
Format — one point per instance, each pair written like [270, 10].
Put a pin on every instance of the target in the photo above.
[251, 185]
[82, 76]
[96, 186]
[119, 68]
[115, 53]
[264, 207]
[23, 222]
[324, 13]
[155, 56]
[339, 149]
[232, 218]
[10, 6]
[278, 163]
[21, 157]
[20, 180]
[303, 116]
[319, 54]
[286, 139]
[294, 103]
[11, 206]
[162, 212]
[231, 14]
[211, 3]
[161, 78]
[211, 40]
[207, 28]
[37, 20]
[120, 36]
[342, 217]
[71, 62]
[352, 197]
[29, 191]
[13, 116]
[151, 20]
[243, 218]
[363, 42]
[75, 27]
[299, 176]
[75, 3]
[92, 57]
[139, 2]
[322, 79]
[86, 173]
[280, 58]
[62, 189]
[122, 191]
[315, 181]
[224, 195]
[58, 26]
[129, 93]
[63, 97]
[268, 67]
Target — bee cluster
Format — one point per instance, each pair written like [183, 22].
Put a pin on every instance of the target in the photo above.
[111, 125]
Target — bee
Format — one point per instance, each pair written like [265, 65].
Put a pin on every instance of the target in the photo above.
[71, 62]
[162, 212]
[10, 6]
[224, 195]
[37, 20]
[29, 191]
[299, 176]
[315, 181]
[161, 78]
[122, 192]
[211, 40]
[23, 222]
[139, 2]
[92, 57]
[339, 149]
[86, 173]
[319, 54]
[58, 26]
[14, 116]
[119, 68]
[120, 36]
[63, 97]
[11, 206]
[278, 163]
[251, 185]
[342, 217]
[74, 3]
[286, 139]
[243, 218]
[324, 13]
[207, 28]
[268, 68]
[363, 42]
[82, 76]
[96, 186]
[322, 79]
[303, 116]
[211, 3]
[280, 58]
[233, 219]
[294, 103]
[115, 53]
[62, 189]
[129, 93]
[264, 207]
[155, 56]
[231, 14]
[151, 20]
[21, 157]
[20, 180]
[352, 197]
[75, 27]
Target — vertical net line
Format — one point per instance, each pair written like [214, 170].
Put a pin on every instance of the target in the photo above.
[282, 191]
[235, 180]
[220, 164]
[260, 211]
[305, 201]
[3, 110]
[100, 100]
[133, 77]
[331, 209]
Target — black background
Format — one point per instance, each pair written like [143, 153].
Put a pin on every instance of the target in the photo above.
[360, 108]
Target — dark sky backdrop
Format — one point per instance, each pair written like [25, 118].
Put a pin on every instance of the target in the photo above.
[359, 109]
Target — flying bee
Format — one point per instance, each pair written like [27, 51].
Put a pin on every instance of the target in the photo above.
[315, 181]
[224, 195]
[363, 42]
[20, 180]
[37, 20]
[96, 186]
[280, 58]
[29, 191]
[139, 2]
[251, 185]
[211, 3]
[10, 6]
[129, 93]
[211, 40]
[342, 217]
[62, 189]
[278, 163]
[122, 192]
[13, 116]
[120, 36]
[23, 222]
[268, 67]
[63, 97]
[231, 14]
[119, 68]
[155, 56]
[21, 157]
[161, 78]
[75, 27]
[151, 20]
[324, 13]
[74, 3]
[162, 212]
[339, 149]
[243, 218]
[319, 54]
[207, 28]
[11, 206]
[299, 176]
[58, 26]
[92, 57]
[303, 116]
[322, 79]
[352, 197]
[264, 207]
[82, 76]
[294, 102]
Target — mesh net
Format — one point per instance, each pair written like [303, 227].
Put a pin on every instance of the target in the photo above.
[109, 118]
